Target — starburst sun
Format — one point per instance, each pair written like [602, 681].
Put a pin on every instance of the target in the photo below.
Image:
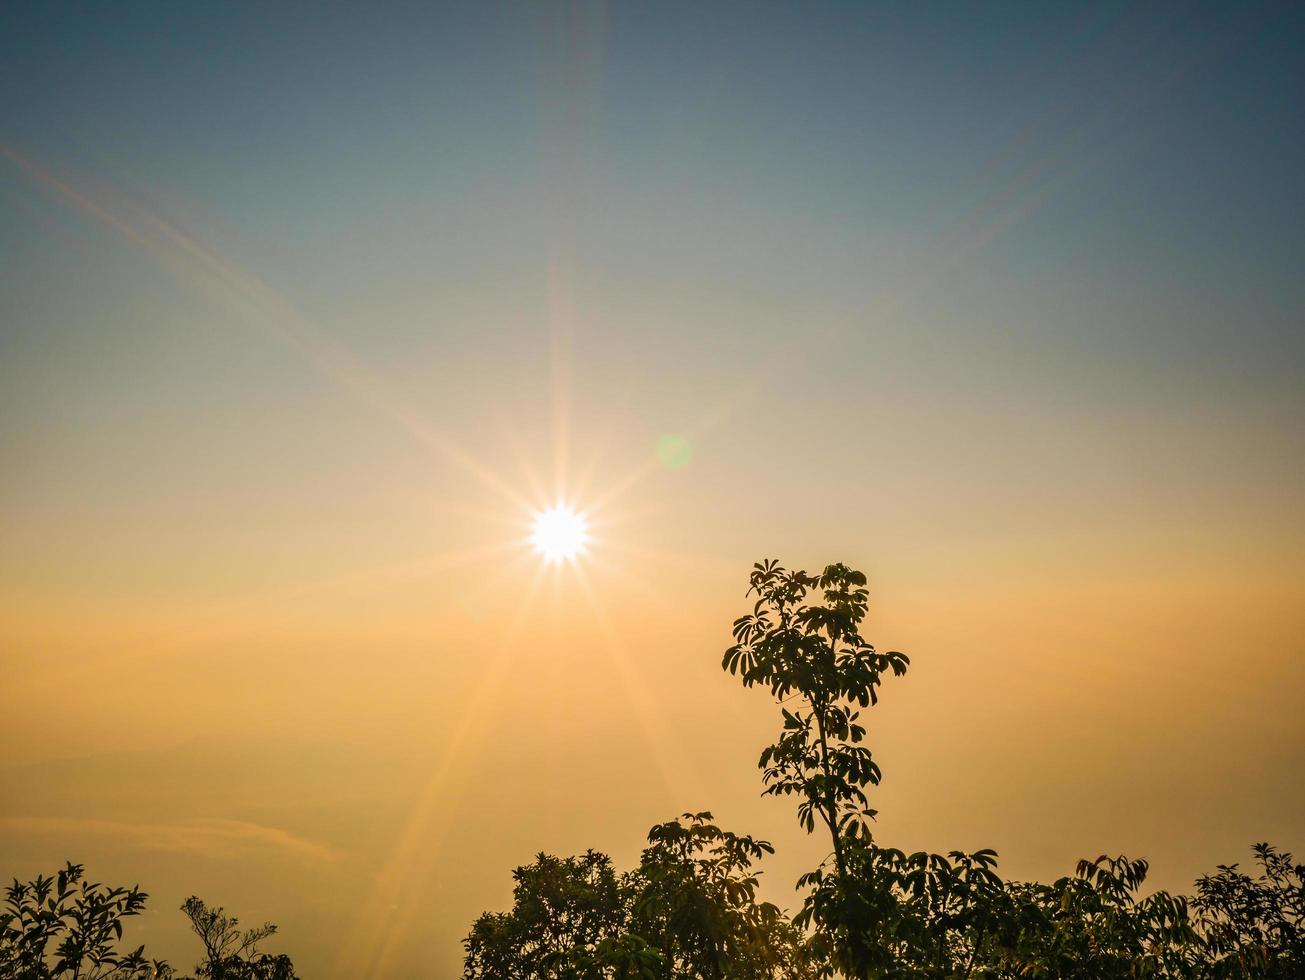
[560, 533]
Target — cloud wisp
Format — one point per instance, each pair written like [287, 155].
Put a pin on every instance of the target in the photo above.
[212, 837]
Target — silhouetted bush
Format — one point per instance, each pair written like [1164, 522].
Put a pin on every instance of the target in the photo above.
[688, 910]
[65, 928]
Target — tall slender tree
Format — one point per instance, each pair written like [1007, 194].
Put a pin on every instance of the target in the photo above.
[824, 674]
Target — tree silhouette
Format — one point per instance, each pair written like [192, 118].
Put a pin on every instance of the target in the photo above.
[688, 912]
[229, 953]
[695, 902]
[816, 664]
[567, 914]
[822, 672]
[1255, 926]
[1095, 925]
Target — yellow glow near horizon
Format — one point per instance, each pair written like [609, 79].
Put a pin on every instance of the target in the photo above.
[560, 533]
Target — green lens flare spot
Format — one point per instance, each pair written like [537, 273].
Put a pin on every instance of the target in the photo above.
[675, 452]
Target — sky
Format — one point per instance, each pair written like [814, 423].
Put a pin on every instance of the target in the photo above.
[305, 311]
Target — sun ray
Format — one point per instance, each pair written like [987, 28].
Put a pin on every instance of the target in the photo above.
[533, 481]
[583, 480]
[268, 311]
[561, 307]
[674, 764]
[377, 928]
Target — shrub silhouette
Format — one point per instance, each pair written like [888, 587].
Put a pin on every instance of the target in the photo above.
[63, 927]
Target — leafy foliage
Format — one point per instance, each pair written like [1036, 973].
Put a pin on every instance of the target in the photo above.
[567, 920]
[1094, 924]
[688, 911]
[695, 902]
[1254, 926]
[65, 926]
[893, 914]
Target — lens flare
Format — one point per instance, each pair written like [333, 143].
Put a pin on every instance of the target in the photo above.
[560, 533]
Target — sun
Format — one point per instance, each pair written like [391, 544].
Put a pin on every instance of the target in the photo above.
[559, 533]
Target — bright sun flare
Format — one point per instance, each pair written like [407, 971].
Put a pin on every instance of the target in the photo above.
[559, 533]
